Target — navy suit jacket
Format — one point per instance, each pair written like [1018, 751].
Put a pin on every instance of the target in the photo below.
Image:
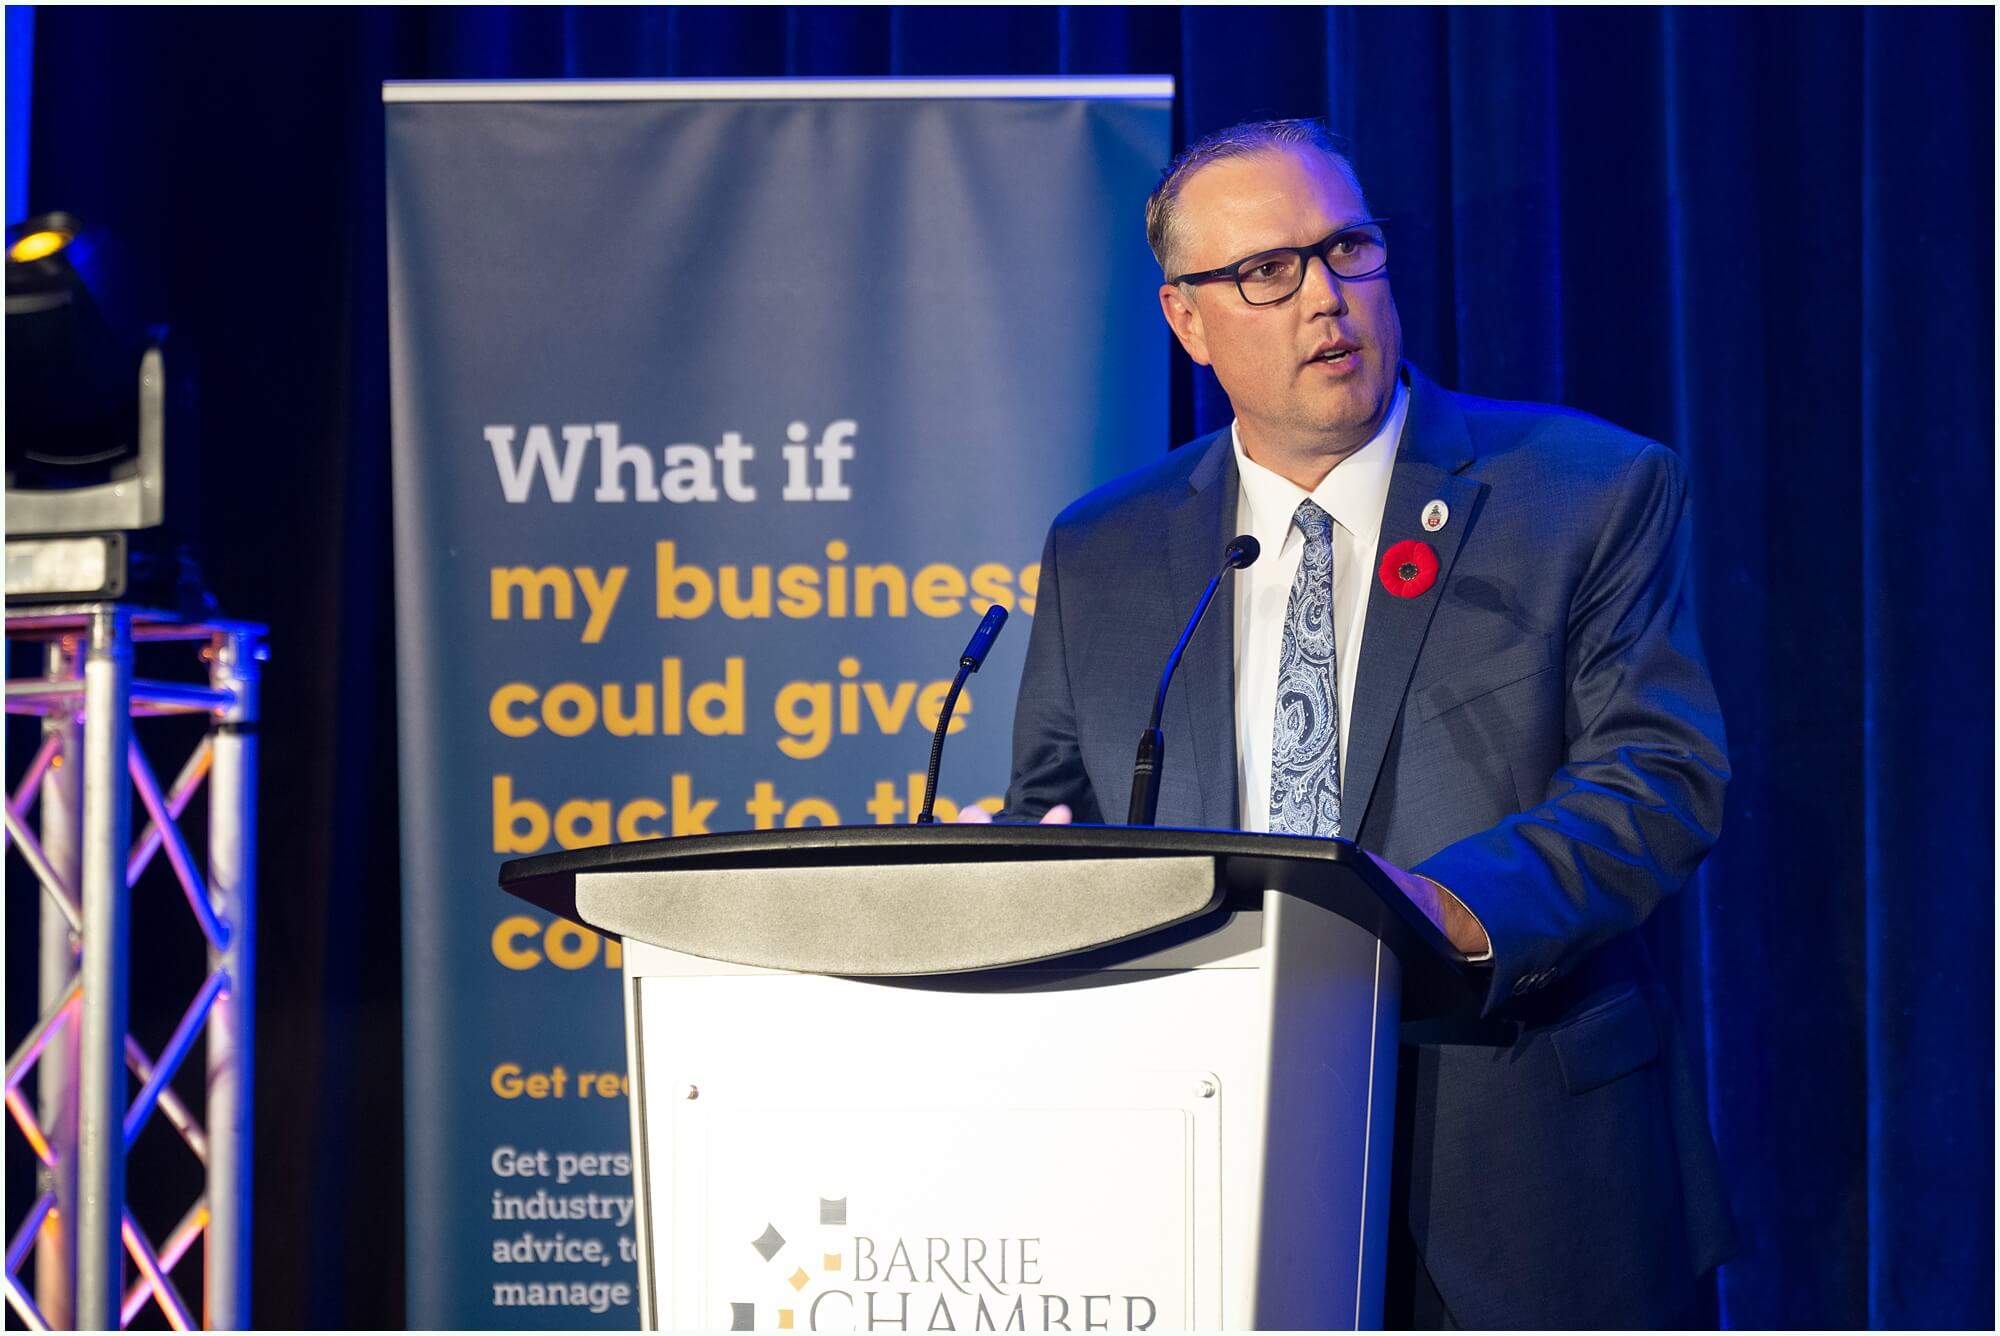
[1537, 732]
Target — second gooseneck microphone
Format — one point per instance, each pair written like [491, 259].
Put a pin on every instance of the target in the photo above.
[1242, 550]
[968, 662]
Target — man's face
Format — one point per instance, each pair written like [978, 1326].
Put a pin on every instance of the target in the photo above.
[1292, 404]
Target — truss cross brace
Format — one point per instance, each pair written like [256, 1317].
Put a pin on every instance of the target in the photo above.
[85, 1116]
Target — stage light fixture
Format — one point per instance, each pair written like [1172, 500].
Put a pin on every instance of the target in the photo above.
[45, 240]
[87, 410]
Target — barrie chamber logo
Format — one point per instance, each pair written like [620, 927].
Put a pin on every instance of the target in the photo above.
[838, 1278]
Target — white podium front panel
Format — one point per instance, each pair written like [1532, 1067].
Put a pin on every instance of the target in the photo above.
[1027, 1149]
[949, 1201]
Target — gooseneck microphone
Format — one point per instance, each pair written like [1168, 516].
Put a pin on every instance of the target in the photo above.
[1242, 550]
[968, 663]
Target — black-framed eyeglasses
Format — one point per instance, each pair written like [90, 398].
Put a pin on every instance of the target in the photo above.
[1359, 250]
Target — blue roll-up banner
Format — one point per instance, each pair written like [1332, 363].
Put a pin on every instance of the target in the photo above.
[722, 412]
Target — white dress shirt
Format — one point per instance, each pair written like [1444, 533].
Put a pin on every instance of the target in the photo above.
[1354, 494]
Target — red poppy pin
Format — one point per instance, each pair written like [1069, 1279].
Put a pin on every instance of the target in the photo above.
[1408, 568]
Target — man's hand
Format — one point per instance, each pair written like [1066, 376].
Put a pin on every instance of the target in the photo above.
[974, 815]
[1441, 907]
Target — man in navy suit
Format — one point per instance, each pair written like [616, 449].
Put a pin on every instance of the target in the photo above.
[1468, 648]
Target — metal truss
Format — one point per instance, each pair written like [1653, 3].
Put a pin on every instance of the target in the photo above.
[84, 1117]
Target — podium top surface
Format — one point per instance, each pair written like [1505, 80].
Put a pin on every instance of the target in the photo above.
[813, 845]
[1329, 872]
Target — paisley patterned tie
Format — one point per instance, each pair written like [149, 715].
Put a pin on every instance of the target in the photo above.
[1305, 737]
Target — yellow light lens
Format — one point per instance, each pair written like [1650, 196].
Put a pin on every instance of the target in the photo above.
[37, 245]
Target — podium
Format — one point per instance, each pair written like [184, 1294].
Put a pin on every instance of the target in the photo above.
[928, 1078]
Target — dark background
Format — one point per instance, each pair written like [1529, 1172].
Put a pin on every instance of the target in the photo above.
[1764, 236]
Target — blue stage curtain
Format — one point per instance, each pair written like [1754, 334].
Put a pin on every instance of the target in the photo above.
[1764, 236]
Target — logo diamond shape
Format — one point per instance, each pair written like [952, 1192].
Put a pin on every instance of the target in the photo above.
[743, 1317]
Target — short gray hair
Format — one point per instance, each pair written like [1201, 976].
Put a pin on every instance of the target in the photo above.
[1238, 141]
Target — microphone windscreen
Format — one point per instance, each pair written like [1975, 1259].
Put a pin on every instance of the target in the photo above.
[1242, 550]
[983, 638]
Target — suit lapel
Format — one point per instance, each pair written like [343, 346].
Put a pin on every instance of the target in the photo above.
[1198, 526]
[1434, 448]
